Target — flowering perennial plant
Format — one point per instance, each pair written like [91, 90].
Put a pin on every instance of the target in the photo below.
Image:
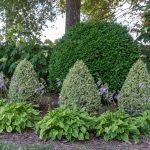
[3, 85]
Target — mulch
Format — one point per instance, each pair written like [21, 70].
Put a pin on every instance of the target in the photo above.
[29, 138]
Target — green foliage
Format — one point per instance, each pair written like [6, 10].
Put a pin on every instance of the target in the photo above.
[143, 122]
[69, 123]
[145, 30]
[23, 83]
[37, 13]
[80, 89]
[135, 93]
[117, 125]
[17, 116]
[2, 102]
[106, 48]
[11, 53]
[103, 9]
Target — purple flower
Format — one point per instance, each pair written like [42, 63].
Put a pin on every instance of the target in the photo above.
[42, 91]
[58, 82]
[1, 85]
[98, 82]
[36, 90]
[104, 90]
[41, 87]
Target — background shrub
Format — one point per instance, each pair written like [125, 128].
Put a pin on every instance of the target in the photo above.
[11, 53]
[17, 116]
[68, 123]
[23, 83]
[106, 48]
[80, 89]
[134, 96]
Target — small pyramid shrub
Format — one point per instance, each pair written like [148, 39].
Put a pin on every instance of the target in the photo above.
[135, 94]
[80, 89]
[23, 83]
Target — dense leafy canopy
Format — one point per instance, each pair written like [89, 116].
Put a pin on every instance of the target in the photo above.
[25, 17]
[145, 31]
[12, 52]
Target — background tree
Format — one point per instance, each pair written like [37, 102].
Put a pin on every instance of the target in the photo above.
[145, 30]
[26, 18]
[72, 13]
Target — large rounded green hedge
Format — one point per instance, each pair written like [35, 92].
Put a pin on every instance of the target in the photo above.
[106, 48]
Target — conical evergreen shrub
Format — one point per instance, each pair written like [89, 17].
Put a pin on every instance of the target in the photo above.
[23, 83]
[80, 89]
[135, 94]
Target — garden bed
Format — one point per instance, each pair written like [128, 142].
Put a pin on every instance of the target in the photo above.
[30, 138]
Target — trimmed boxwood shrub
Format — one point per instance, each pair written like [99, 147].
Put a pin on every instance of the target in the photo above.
[23, 83]
[80, 89]
[106, 48]
[134, 96]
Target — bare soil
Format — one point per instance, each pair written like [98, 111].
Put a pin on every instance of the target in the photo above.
[29, 138]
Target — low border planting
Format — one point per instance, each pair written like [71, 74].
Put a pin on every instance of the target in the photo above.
[17, 116]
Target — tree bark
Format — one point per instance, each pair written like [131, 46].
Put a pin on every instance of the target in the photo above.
[72, 13]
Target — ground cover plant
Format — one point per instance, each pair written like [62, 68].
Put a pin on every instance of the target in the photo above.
[134, 95]
[65, 123]
[80, 89]
[24, 83]
[143, 122]
[17, 116]
[105, 47]
[117, 125]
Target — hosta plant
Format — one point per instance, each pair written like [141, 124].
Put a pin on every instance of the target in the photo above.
[134, 96]
[80, 89]
[65, 123]
[143, 122]
[17, 116]
[24, 83]
[3, 102]
[107, 98]
[117, 125]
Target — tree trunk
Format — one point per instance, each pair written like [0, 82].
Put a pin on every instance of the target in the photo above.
[72, 13]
